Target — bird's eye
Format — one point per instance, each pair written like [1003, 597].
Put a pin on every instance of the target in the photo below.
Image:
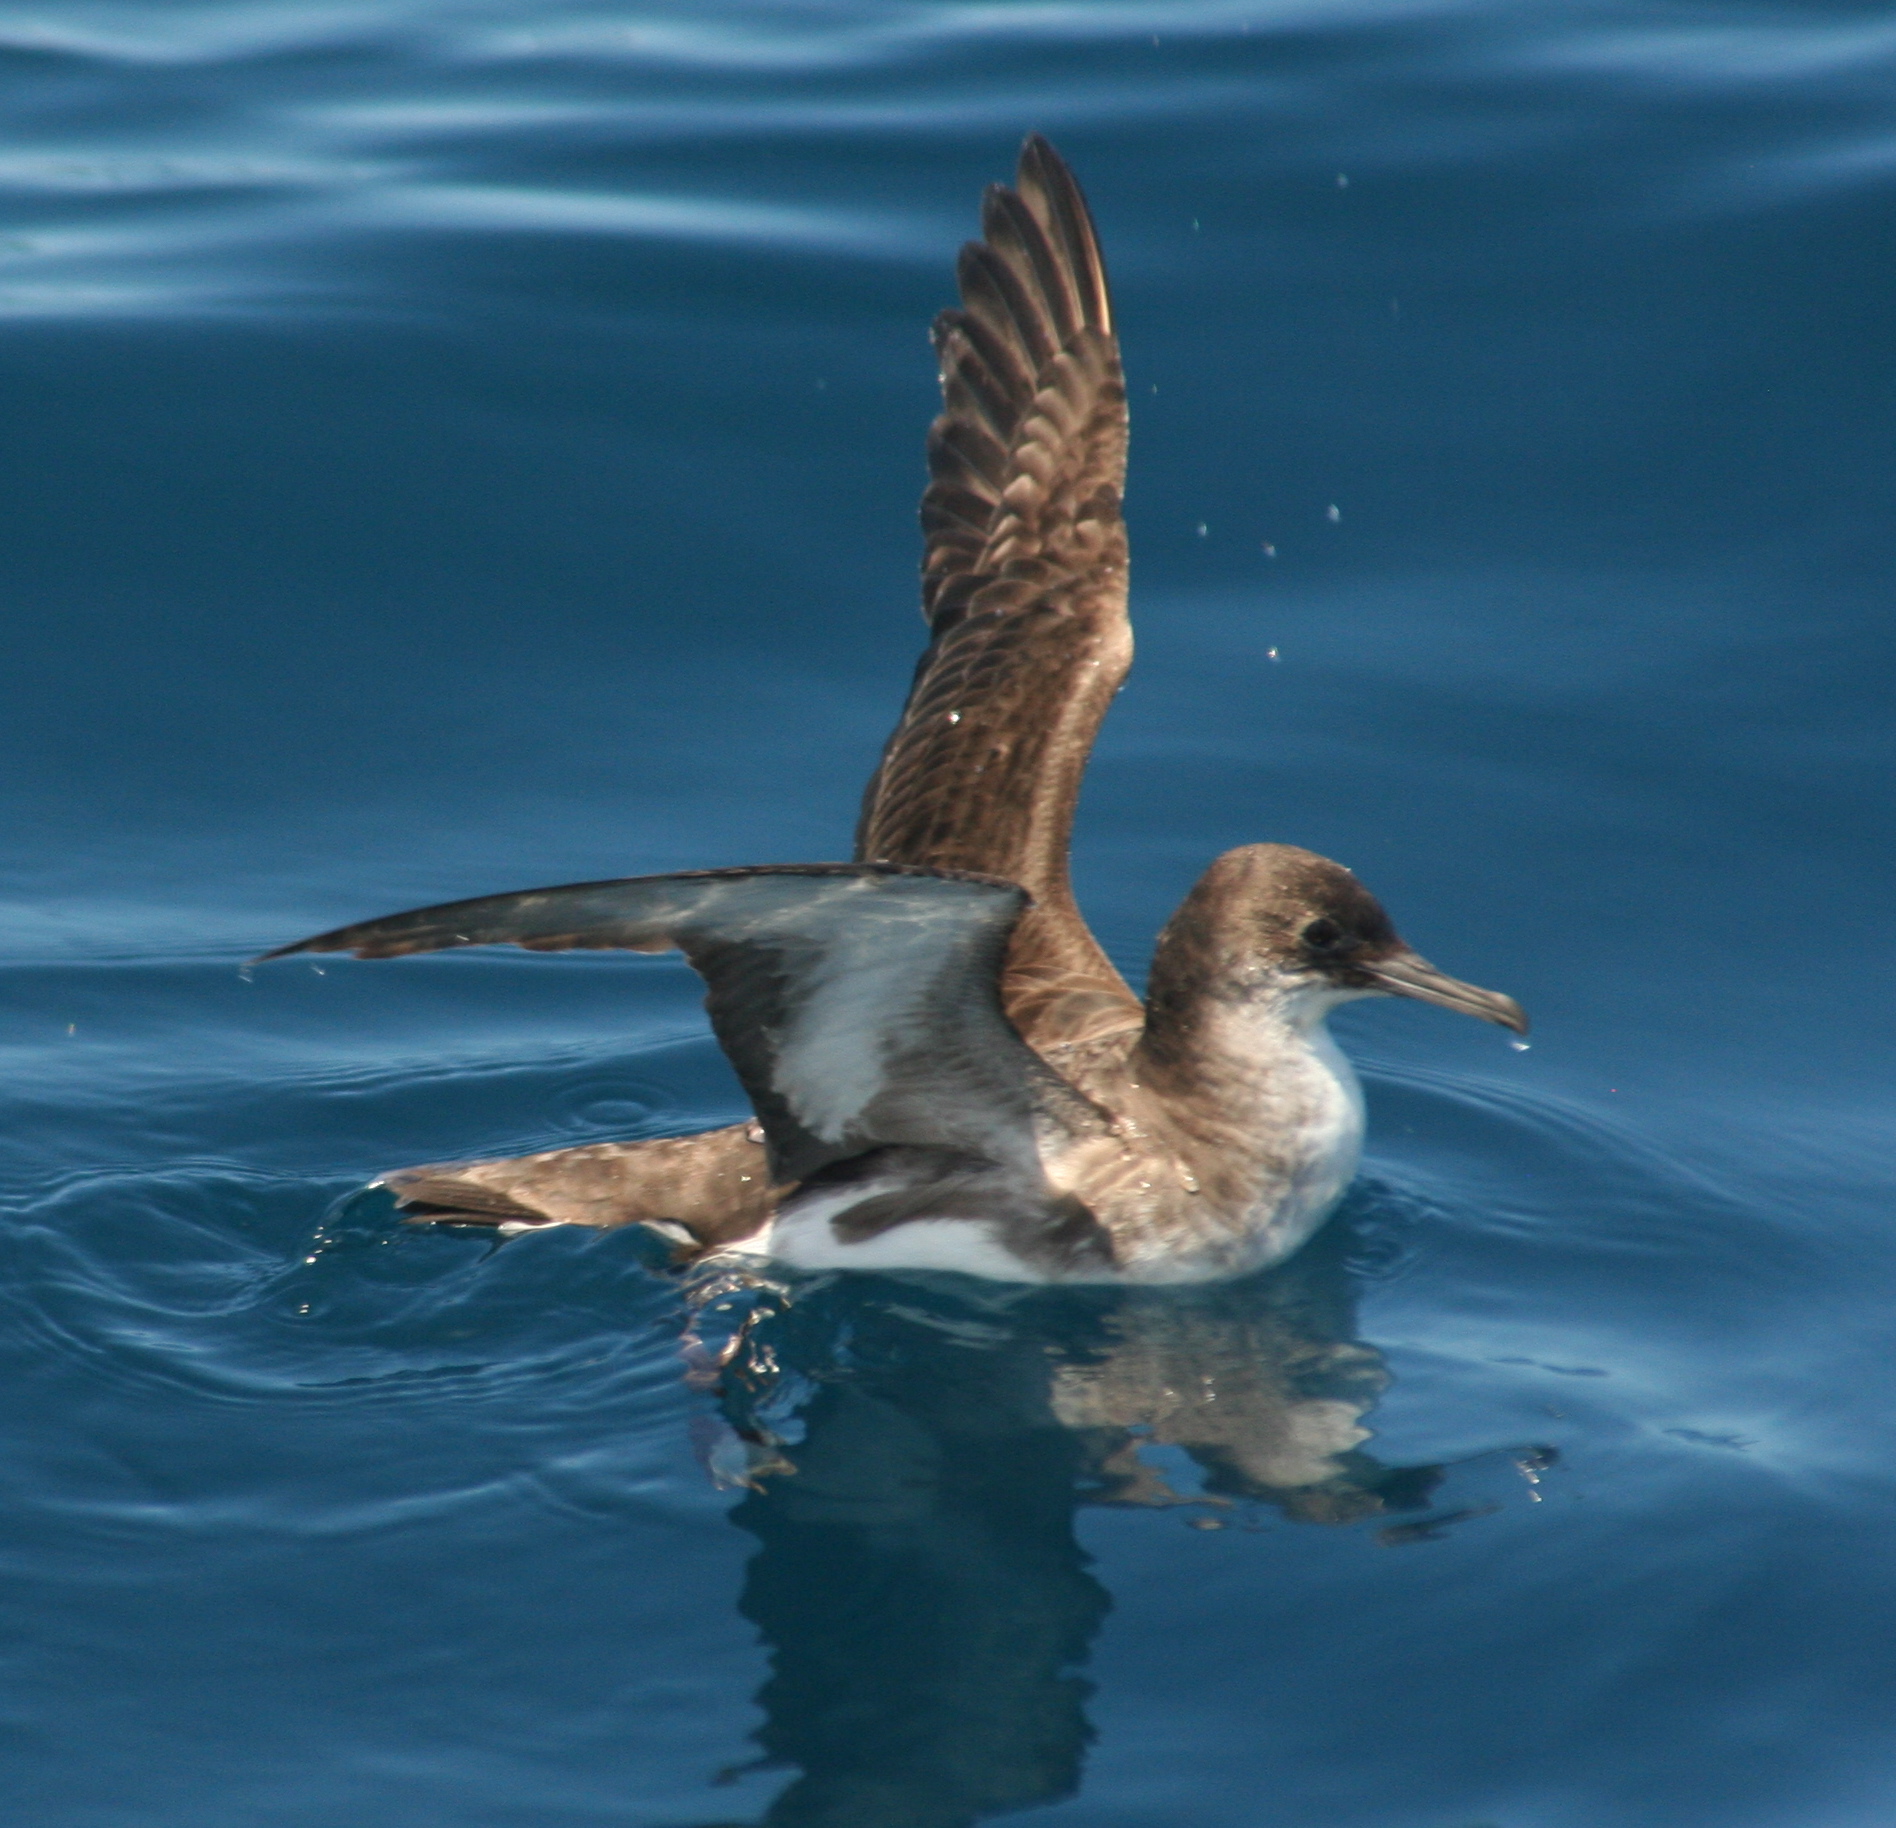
[1322, 935]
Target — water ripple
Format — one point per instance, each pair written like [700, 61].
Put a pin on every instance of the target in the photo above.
[301, 171]
[462, 443]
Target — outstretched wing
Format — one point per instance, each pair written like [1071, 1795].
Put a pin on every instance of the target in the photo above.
[1024, 588]
[859, 1004]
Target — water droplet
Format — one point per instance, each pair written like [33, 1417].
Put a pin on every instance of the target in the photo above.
[954, 717]
[1333, 512]
[1271, 655]
[1203, 530]
[1270, 551]
[1342, 180]
[1520, 1047]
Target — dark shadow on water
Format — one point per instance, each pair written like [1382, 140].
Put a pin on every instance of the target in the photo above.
[916, 1452]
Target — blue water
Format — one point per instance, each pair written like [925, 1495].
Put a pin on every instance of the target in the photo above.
[451, 447]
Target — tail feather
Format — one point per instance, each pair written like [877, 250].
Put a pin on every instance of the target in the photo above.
[714, 1186]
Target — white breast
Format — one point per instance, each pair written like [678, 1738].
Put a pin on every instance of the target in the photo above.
[1308, 1119]
[1326, 1143]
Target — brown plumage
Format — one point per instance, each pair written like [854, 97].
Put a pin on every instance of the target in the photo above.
[1024, 589]
[1201, 1133]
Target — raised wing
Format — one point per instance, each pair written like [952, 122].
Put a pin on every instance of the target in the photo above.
[1024, 588]
[859, 1004]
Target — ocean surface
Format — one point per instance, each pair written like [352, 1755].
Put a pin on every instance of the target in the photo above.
[450, 447]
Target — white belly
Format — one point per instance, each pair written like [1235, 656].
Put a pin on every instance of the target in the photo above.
[803, 1238]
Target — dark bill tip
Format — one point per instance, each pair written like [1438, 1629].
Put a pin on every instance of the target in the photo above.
[322, 942]
[1408, 974]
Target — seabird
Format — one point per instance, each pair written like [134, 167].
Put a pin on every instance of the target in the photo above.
[946, 1070]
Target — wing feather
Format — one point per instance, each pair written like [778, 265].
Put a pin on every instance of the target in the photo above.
[1024, 589]
[859, 1004]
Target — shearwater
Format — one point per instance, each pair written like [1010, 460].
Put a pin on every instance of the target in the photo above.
[945, 1068]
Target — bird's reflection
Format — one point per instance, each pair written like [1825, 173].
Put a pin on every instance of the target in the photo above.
[916, 1453]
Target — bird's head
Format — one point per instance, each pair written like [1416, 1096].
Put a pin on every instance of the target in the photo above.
[1270, 921]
